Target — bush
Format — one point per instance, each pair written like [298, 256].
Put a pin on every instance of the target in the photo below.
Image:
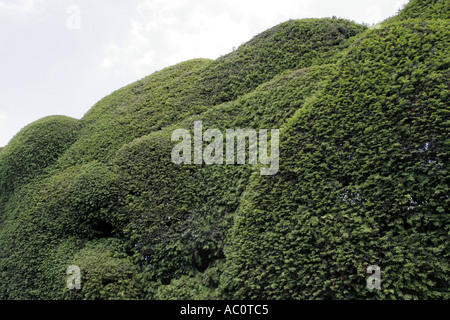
[362, 182]
[107, 273]
[363, 177]
[33, 149]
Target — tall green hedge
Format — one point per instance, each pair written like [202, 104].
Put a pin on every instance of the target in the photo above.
[295, 44]
[363, 175]
[33, 149]
[179, 217]
[363, 181]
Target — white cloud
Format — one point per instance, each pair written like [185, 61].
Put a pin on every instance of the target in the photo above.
[373, 13]
[13, 7]
[376, 10]
[168, 32]
[164, 33]
[136, 54]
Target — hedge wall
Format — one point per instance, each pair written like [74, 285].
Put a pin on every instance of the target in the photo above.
[363, 181]
[363, 176]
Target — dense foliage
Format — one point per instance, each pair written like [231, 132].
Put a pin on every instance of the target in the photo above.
[424, 9]
[363, 181]
[363, 178]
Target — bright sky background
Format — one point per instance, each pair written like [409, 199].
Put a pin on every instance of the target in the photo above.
[62, 56]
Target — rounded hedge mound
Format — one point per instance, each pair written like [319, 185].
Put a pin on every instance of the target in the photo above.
[33, 149]
[363, 176]
[363, 181]
[295, 44]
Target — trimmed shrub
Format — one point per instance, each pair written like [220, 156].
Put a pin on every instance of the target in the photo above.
[363, 181]
[295, 44]
[33, 149]
[107, 273]
[363, 175]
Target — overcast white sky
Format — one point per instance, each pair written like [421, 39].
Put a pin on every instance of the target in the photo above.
[62, 56]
